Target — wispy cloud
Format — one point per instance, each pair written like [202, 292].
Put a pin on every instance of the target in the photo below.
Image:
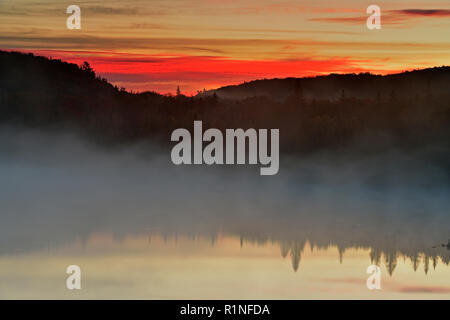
[387, 17]
[114, 11]
[349, 20]
[424, 12]
[186, 45]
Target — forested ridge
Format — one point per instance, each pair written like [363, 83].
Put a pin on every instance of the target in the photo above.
[407, 110]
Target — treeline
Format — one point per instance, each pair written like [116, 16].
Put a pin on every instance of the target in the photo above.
[40, 92]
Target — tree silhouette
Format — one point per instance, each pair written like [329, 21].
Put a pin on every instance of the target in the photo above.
[87, 68]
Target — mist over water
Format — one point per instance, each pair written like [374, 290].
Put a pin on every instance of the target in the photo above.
[56, 187]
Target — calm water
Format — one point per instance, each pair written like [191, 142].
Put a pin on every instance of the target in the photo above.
[153, 266]
[142, 228]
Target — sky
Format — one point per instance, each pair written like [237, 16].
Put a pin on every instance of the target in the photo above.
[157, 45]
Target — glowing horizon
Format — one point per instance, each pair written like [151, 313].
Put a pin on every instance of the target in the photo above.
[205, 44]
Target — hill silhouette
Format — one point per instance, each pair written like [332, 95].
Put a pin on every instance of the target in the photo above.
[430, 82]
[407, 110]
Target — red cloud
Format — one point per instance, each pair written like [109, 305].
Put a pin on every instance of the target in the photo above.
[164, 73]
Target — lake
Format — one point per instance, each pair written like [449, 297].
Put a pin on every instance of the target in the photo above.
[141, 228]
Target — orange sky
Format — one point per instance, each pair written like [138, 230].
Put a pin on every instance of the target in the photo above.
[160, 44]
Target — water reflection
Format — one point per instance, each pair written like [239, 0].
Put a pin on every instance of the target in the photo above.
[181, 266]
[391, 213]
[386, 243]
[389, 256]
[426, 255]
